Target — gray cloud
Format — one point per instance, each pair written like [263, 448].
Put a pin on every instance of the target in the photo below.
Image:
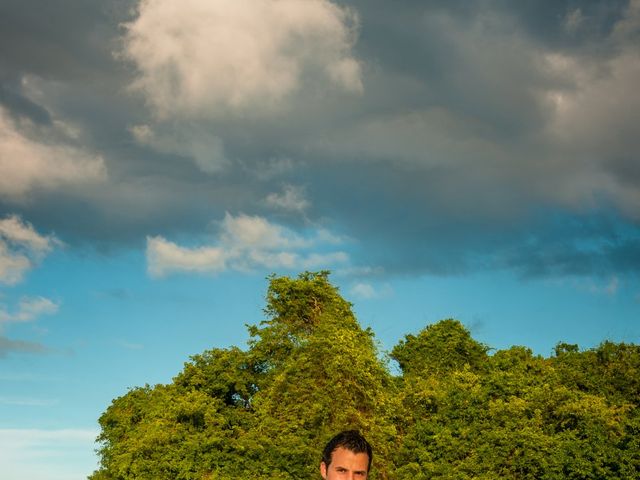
[12, 98]
[489, 134]
[578, 26]
[8, 346]
[69, 41]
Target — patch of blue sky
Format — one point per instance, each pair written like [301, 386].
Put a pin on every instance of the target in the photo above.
[503, 310]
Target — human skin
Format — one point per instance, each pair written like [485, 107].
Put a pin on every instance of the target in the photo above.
[345, 465]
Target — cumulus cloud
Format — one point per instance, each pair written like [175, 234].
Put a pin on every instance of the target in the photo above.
[245, 243]
[479, 125]
[165, 257]
[12, 266]
[201, 58]
[21, 247]
[367, 291]
[247, 231]
[29, 308]
[363, 290]
[460, 155]
[292, 199]
[317, 260]
[16, 231]
[27, 162]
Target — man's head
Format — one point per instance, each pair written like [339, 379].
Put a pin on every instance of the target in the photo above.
[348, 455]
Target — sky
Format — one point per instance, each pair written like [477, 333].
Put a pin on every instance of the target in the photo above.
[160, 159]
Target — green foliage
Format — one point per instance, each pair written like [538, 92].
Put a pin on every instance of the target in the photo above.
[310, 370]
[611, 369]
[439, 348]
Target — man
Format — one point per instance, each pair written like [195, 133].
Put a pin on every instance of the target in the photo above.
[347, 456]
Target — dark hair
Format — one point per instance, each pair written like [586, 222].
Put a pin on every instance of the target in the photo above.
[350, 440]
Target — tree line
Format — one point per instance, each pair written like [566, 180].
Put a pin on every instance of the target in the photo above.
[454, 409]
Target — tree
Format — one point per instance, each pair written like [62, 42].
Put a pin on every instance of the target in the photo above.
[310, 370]
[264, 413]
[513, 419]
[439, 348]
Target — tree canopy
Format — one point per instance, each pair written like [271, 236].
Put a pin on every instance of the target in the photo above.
[454, 411]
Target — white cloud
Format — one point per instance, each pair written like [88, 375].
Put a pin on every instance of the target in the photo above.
[256, 257]
[316, 260]
[367, 291]
[363, 290]
[325, 236]
[27, 163]
[165, 257]
[200, 58]
[291, 199]
[245, 231]
[21, 247]
[16, 231]
[245, 243]
[35, 454]
[13, 266]
[29, 308]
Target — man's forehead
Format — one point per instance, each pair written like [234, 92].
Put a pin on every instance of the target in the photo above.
[344, 457]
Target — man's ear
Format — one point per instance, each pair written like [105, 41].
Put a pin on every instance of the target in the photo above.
[323, 470]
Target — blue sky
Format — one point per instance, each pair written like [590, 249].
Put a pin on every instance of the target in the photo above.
[474, 160]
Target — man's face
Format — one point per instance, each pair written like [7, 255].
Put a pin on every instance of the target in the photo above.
[345, 465]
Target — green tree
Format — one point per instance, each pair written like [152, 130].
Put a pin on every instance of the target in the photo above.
[263, 413]
[611, 369]
[439, 348]
[310, 369]
[514, 419]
